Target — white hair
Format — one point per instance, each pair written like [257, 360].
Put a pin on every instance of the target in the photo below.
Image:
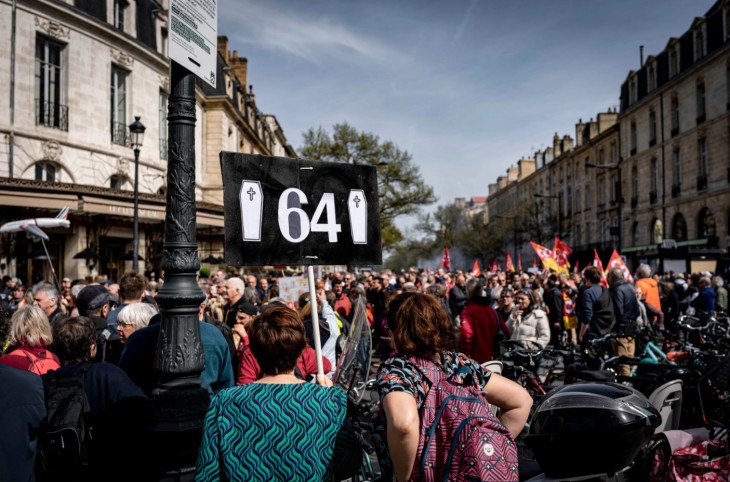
[137, 314]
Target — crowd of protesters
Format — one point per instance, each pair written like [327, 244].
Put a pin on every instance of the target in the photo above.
[121, 322]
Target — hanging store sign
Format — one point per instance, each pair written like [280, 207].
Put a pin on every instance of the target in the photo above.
[298, 212]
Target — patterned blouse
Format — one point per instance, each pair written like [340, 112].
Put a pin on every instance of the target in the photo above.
[271, 432]
[398, 374]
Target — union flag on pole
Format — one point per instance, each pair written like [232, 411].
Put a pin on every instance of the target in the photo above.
[546, 256]
[519, 262]
[446, 260]
[494, 267]
[597, 263]
[475, 271]
[508, 266]
[561, 251]
[617, 262]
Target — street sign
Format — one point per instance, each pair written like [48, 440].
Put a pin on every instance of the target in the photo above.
[194, 36]
[299, 212]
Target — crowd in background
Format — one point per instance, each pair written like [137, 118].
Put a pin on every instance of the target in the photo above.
[117, 323]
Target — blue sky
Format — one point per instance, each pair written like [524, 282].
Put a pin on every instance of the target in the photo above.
[467, 87]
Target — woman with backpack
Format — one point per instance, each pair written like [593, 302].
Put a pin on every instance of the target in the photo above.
[30, 336]
[429, 392]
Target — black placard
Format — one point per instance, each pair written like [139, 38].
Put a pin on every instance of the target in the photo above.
[338, 196]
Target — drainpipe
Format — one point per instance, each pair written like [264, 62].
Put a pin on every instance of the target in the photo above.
[11, 140]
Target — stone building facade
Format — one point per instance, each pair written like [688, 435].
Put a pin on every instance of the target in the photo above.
[76, 74]
[653, 179]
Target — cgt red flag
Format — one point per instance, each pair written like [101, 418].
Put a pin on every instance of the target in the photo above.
[617, 262]
[476, 271]
[446, 260]
[494, 267]
[597, 263]
[509, 267]
[519, 262]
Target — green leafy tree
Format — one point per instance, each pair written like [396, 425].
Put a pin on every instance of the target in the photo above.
[401, 190]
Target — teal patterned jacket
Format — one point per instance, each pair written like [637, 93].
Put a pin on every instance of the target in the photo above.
[271, 432]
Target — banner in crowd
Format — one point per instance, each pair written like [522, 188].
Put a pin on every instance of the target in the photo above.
[446, 260]
[508, 266]
[570, 321]
[617, 262]
[475, 271]
[290, 288]
[545, 255]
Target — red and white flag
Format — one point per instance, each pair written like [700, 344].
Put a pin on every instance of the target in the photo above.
[519, 262]
[597, 263]
[617, 262]
[494, 267]
[475, 271]
[545, 255]
[561, 251]
[446, 260]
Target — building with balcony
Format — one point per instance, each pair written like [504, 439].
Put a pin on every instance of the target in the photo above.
[76, 74]
[651, 179]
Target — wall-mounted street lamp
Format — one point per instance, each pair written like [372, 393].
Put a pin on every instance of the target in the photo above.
[136, 135]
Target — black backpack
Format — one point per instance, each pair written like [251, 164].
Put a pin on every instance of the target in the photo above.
[603, 315]
[64, 443]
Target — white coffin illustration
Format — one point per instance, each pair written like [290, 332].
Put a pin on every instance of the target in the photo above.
[252, 206]
[357, 207]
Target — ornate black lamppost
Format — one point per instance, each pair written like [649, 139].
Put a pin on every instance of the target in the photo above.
[136, 135]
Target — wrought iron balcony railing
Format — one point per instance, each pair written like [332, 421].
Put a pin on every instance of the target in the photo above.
[50, 114]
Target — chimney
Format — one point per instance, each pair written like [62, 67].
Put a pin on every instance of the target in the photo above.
[641, 55]
[557, 148]
[239, 67]
[579, 131]
[223, 46]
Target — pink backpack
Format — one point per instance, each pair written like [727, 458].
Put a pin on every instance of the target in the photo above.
[460, 439]
[40, 365]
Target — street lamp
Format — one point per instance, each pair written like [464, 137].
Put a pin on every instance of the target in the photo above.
[617, 193]
[136, 135]
[559, 197]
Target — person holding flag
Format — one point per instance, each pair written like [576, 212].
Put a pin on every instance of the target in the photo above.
[446, 260]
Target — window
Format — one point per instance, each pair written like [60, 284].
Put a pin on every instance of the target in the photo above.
[702, 156]
[602, 193]
[635, 234]
[614, 187]
[654, 191]
[162, 110]
[700, 102]
[614, 153]
[45, 171]
[675, 115]
[116, 181]
[651, 77]
[120, 11]
[48, 85]
[632, 141]
[601, 157]
[577, 199]
[706, 224]
[119, 106]
[588, 196]
[634, 186]
[633, 90]
[679, 228]
[676, 170]
[652, 128]
[674, 59]
[700, 42]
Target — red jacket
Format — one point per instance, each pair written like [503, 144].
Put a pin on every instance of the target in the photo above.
[478, 332]
[249, 370]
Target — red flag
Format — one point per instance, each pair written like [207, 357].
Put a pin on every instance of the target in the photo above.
[545, 255]
[575, 268]
[519, 262]
[597, 263]
[617, 262]
[494, 267]
[508, 263]
[475, 271]
[446, 260]
[561, 251]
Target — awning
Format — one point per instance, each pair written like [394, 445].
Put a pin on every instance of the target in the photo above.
[634, 249]
[39, 200]
[115, 207]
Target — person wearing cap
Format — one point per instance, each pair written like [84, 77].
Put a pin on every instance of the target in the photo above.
[93, 302]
